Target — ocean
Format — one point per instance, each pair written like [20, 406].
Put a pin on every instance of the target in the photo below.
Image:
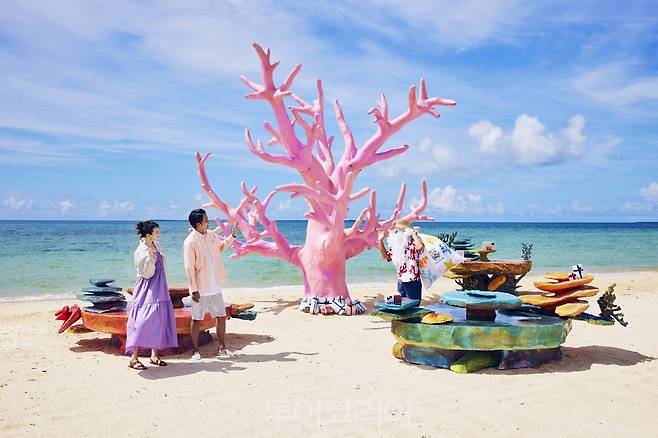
[53, 259]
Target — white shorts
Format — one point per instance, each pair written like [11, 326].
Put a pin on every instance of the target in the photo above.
[211, 303]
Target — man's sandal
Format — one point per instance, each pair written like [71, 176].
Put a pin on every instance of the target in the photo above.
[136, 365]
[159, 362]
[225, 354]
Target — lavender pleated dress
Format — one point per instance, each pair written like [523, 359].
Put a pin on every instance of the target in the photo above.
[151, 319]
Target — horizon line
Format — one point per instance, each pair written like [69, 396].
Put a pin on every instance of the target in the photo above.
[346, 220]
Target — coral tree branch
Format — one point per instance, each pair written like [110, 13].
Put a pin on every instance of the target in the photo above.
[249, 213]
[327, 186]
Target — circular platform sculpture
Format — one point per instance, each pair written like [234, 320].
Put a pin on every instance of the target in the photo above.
[177, 293]
[115, 324]
[481, 305]
[515, 339]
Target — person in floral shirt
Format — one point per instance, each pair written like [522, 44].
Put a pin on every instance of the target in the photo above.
[404, 248]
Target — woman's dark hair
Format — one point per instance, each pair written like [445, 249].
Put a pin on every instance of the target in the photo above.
[196, 216]
[146, 227]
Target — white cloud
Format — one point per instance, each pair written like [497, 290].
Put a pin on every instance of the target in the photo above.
[637, 207]
[198, 197]
[65, 206]
[650, 192]
[451, 200]
[285, 205]
[650, 203]
[423, 159]
[425, 145]
[574, 136]
[454, 24]
[599, 154]
[173, 205]
[530, 143]
[499, 208]
[19, 202]
[578, 208]
[615, 85]
[445, 157]
[487, 135]
[107, 209]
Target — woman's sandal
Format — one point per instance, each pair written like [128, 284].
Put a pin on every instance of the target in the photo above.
[159, 362]
[136, 365]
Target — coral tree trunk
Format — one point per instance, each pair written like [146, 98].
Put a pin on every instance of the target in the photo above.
[323, 260]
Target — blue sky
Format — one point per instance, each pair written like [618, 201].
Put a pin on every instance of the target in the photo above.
[103, 104]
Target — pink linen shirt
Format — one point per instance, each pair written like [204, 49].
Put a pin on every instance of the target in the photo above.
[197, 265]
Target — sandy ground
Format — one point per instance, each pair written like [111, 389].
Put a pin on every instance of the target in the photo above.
[327, 376]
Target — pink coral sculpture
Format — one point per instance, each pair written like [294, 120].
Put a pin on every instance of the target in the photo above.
[327, 187]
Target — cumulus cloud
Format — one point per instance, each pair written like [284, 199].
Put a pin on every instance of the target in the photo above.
[107, 209]
[19, 202]
[65, 206]
[574, 135]
[487, 135]
[423, 159]
[650, 192]
[650, 202]
[449, 199]
[530, 143]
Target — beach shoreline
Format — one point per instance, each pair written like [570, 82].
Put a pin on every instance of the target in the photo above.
[299, 288]
[322, 376]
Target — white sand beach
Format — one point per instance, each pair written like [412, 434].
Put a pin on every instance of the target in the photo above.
[302, 375]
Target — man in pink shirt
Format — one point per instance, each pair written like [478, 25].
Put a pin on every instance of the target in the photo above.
[206, 277]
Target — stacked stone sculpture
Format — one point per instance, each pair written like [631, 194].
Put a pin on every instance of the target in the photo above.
[103, 296]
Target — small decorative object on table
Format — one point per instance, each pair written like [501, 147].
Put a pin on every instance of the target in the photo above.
[393, 299]
[609, 309]
[526, 251]
[577, 272]
[489, 246]
[404, 304]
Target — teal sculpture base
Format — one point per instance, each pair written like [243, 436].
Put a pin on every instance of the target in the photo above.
[515, 339]
[462, 361]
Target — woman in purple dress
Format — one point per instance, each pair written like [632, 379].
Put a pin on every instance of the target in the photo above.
[151, 319]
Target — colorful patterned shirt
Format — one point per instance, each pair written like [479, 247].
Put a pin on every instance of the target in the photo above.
[408, 270]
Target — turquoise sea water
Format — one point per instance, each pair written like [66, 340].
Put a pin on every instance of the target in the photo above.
[44, 258]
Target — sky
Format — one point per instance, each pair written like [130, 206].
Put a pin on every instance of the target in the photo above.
[104, 103]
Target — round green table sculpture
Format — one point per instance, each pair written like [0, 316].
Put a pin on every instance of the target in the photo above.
[514, 339]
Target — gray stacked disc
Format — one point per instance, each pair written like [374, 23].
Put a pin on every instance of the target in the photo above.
[466, 246]
[103, 296]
